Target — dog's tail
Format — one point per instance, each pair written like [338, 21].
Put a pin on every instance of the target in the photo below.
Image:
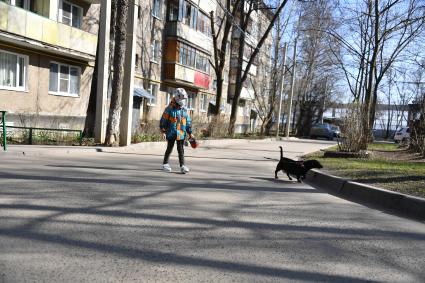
[281, 152]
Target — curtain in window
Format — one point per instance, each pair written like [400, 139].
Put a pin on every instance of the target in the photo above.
[8, 72]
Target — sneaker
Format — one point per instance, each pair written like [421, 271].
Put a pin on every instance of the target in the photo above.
[184, 169]
[166, 167]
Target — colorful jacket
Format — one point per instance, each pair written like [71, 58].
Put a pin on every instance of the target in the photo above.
[175, 122]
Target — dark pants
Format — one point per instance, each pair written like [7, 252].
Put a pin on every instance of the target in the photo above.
[180, 150]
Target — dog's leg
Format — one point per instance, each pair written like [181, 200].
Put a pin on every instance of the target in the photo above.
[289, 176]
[275, 172]
[299, 179]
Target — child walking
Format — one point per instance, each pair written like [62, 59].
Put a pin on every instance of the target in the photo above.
[174, 124]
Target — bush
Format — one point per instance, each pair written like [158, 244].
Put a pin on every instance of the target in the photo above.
[352, 131]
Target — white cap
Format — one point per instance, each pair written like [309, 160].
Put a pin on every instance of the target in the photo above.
[180, 96]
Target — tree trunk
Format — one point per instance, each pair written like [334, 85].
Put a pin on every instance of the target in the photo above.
[368, 116]
[113, 128]
[91, 107]
[239, 81]
[242, 75]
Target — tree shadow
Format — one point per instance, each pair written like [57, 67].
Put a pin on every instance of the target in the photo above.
[180, 260]
[188, 156]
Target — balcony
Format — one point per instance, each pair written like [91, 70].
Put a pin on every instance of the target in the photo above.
[178, 29]
[24, 28]
[180, 74]
[252, 70]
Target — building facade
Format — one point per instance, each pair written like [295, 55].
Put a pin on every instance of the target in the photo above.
[48, 51]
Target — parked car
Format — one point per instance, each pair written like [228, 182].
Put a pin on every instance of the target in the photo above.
[336, 131]
[322, 131]
[402, 135]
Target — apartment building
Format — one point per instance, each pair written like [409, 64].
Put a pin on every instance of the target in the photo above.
[174, 49]
[174, 46]
[47, 52]
[259, 72]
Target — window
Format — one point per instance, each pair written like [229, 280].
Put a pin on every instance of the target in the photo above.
[225, 78]
[183, 54]
[173, 11]
[19, 3]
[190, 15]
[156, 8]
[136, 61]
[70, 14]
[202, 63]
[246, 111]
[168, 96]
[13, 71]
[155, 51]
[203, 102]
[154, 91]
[190, 100]
[203, 23]
[64, 80]
[191, 57]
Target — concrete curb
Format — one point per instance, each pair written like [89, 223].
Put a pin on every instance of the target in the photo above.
[404, 204]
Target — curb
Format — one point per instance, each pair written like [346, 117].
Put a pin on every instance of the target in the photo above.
[402, 203]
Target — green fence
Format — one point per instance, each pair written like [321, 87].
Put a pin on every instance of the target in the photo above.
[33, 135]
[3, 129]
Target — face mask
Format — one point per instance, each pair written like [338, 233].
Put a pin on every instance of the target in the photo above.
[182, 102]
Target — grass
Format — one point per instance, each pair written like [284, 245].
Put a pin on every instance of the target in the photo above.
[386, 172]
[383, 146]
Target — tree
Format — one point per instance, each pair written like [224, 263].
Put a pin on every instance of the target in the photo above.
[220, 29]
[315, 67]
[113, 127]
[242, 72]
[380, 33]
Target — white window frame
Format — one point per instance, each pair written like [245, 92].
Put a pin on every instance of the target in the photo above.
[246, 110]
[203, 102]
[155, 94]
[191, 101]
[155, 46]
[26, 4]
[60, 14]
[59, 93]
[25, 80]
[168, 97]
[158, 16]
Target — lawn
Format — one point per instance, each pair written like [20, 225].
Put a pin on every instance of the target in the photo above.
[388, 167]
[383, 146]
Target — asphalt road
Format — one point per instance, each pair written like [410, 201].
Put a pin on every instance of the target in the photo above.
[85, 216]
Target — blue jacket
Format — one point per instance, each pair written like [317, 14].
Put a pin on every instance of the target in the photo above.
[175, 122]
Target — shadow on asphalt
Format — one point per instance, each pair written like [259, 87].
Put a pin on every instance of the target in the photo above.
[31, 230]
[190, 156]
[120, 211]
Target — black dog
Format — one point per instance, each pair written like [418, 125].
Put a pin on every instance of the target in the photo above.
[295, 168]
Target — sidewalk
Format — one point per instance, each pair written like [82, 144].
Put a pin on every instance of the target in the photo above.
[53, 149]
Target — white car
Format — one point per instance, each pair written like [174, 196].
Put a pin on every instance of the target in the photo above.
[402, 135]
